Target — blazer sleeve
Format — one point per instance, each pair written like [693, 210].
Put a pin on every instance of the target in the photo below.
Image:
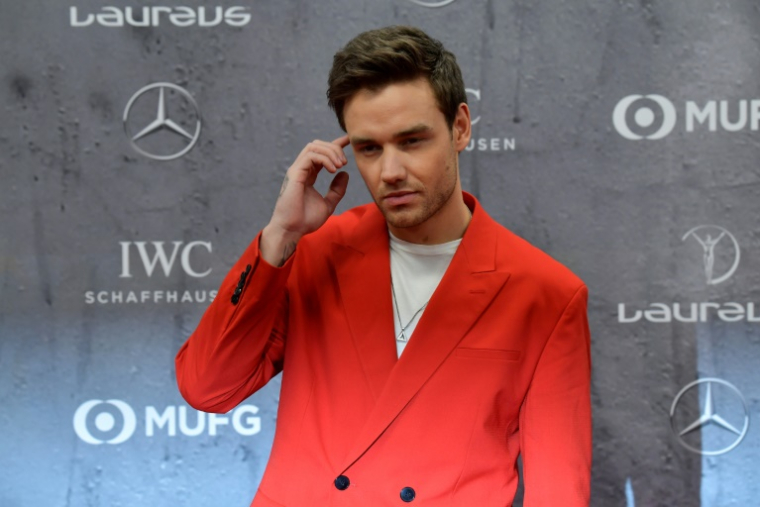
[555, 419]
[239, 343]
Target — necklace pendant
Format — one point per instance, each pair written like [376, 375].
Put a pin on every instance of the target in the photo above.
[401, 337]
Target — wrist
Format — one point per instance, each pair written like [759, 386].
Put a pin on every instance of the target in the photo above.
[277, 245]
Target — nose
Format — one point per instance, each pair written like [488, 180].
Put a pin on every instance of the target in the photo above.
[392, 169]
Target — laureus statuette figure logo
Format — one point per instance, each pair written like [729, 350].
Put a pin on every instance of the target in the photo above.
[710, 238]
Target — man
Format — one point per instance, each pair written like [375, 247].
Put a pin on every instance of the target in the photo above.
[491, 352]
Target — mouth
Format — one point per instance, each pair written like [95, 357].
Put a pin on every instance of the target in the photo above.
[399, 198]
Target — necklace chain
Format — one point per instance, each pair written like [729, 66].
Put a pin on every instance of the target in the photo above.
[402, 335]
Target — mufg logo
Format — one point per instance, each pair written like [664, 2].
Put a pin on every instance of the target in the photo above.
[114, 421]
[654, 116]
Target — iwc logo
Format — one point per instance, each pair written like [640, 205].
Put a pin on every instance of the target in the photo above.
[162, 121]
[653, 117]
[113, 422]
[722, 420]
[433, 3]
[158, 272]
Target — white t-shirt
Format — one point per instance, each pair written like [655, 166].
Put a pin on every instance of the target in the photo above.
[416, 271]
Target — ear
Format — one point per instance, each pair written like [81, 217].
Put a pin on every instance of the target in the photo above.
[461, 130]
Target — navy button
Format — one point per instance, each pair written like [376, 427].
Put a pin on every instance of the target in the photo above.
[342, 482]
[235, 299]
[407, 494]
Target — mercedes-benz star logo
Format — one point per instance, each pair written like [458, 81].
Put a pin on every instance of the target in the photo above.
[708, 236]
[432, 3]
[143, 115]
[710, 416]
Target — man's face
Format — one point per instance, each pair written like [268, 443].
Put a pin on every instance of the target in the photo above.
[405, 151]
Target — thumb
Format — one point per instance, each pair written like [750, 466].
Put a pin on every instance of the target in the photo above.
[337, 190]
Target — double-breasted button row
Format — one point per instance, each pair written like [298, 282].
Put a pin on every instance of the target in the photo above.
[240, 285]
[342, 483]
[408, 494]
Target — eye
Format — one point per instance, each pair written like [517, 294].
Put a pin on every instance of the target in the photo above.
[368, 149]
[411, 141]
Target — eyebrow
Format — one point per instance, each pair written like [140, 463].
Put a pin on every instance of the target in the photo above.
[417, 129]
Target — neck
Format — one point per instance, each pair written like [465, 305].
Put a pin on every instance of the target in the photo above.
[448, 224]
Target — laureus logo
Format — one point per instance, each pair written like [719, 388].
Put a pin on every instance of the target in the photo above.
[709, 238]
[713, 255]
[644, 117]
[157, 15]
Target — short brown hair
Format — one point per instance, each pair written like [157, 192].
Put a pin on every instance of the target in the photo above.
[377, 58]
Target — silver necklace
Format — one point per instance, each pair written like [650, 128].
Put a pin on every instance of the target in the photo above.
[402, 335]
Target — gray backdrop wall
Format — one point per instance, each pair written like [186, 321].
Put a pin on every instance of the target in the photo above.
[619, 136]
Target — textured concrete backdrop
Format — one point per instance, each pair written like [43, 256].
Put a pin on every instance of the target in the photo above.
[544, 78]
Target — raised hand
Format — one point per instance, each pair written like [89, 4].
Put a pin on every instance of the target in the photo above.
[300, 208]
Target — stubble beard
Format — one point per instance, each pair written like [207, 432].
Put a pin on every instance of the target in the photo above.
[411, 216]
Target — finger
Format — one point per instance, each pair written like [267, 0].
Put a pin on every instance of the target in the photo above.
[306, 168]
[337, 190]
[335, 151]
[319, 160]
[317, 145]
[317, 163]
[331, 150]
[342, 141]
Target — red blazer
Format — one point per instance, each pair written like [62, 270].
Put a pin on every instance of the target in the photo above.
[498, 366]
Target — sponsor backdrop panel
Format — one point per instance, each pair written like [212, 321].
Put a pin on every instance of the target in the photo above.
[142, 147]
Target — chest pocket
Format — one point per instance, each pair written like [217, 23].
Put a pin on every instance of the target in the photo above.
[492, 354]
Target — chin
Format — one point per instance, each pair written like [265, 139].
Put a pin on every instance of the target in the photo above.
[402, 219]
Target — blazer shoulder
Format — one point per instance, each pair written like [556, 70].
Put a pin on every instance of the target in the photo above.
[531, 264]
[338, 228]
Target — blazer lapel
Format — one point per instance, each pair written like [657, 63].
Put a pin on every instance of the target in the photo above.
[364, 278]
[468, 286]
